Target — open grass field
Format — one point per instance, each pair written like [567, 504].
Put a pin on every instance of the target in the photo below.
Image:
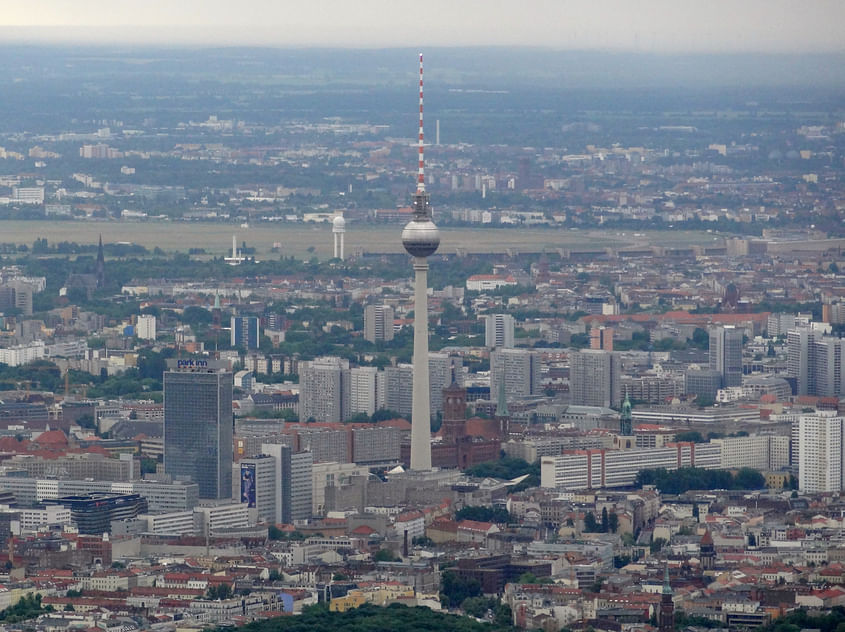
[297, 239]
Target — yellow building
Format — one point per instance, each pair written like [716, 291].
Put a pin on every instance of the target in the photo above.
[776, 480]
[381, 595]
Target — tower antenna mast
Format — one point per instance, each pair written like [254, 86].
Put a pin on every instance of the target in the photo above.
[420, 144]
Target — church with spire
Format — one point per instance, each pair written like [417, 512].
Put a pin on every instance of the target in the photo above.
[626, 424]
[89, 282]
[502, 417]
[100, 267]
[666, 614]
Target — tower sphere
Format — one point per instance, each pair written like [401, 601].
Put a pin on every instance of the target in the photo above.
[338, 223]
[421, 238]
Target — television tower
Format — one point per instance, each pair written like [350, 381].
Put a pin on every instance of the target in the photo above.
[421, 238]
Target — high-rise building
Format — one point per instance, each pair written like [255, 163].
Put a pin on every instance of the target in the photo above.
[398, 388]
[198, 425]
[778, 324]
[376, 445]
[378, 323]
[366, 390]
[800, 350]
[293, 487]
[245, 332]
[702, 382]
[147, 327]
[421, 239]
[324, 389]
[820, 452]
[518, 370]
[595, 378]
[828, 364]
[256, 485]
[601, 338]
[498, 331]
[815, 362]
[726, 354]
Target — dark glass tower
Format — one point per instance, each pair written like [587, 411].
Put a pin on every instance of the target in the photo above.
[198, 426]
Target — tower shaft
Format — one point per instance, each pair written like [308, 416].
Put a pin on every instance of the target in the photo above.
[420, 403]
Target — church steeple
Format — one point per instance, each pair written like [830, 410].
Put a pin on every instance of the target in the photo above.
[100, 269]
[625, 419]
[502, 415]
[666, 618]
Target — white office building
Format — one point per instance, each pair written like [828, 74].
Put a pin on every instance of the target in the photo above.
[518, 370]
[596, 469]
[174, 523]
[758, 452]
[498, 331]
[215, 517]
[324, 389]
[366, 390]
[146, 327]
[820, 452]
[378, 323]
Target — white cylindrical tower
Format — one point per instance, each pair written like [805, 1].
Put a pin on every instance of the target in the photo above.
[338, 230]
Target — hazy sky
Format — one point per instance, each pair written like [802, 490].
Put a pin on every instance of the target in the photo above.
[645, 25]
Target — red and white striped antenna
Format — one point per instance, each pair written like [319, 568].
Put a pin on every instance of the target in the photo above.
[421, 174]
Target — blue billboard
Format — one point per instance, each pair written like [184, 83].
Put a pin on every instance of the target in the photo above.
[248, 484]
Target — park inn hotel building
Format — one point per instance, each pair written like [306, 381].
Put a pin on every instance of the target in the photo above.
[198, 442]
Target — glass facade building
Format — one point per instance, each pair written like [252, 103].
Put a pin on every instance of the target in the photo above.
[198, 428]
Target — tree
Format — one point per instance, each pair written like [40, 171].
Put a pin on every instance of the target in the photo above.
[384, 555]
[454, 589]
[148, 465]
[384, 414]
[274, 533]
[613, 522]
[503, 616]
[530, 578]
[590, 524]
[701, 339]
[656, 545]
[687, 478]
[477, 606]
[605, 521]
[704, 401]
[219, 592]
[481, 513]
[690, 435]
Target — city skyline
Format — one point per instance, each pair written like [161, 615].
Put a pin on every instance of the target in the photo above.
[653, 25]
